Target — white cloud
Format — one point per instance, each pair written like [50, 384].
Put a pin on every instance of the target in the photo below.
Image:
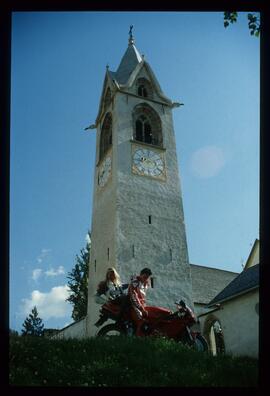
[44, 253]
[207, 161]
[36, 273]
[52, 272]
[49, 305]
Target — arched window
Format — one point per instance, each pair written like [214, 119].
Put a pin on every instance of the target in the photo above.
[108, 97]
[214, 334]
[143, 130]
[105, 136]
[147, 125]
[144, 88]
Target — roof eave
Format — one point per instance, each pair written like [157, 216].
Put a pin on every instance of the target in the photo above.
[212, 268]
[156, 83]
[217, 308]
[219, 301]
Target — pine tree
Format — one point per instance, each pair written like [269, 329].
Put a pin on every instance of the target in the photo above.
[78, 283]
[13, 332]
[33, 324]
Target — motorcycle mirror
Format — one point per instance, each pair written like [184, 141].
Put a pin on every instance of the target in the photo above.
[181, 303]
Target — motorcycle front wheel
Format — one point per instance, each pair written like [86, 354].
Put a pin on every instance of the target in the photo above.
[110, 330]
[200, 343]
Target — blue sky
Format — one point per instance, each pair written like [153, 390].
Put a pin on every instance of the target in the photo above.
[58, 67]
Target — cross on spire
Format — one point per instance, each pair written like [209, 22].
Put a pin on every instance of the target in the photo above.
[131, 38]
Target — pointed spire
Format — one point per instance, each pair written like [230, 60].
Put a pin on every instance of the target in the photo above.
[129, 61]
[131, 38]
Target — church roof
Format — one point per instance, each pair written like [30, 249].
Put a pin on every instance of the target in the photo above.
[208, 282]
[128, 63]
[244, 282]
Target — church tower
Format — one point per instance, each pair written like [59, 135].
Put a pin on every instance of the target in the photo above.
[137, 218]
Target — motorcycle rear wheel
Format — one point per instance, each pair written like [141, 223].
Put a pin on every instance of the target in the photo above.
[200, 343]
[110, 330]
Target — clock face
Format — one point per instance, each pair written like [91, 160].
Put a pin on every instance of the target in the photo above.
[148, 162]
[104, 171]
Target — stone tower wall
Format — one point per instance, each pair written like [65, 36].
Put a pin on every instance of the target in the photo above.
[160, 245]
[121, 210]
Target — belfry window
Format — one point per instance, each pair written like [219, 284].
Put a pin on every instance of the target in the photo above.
[105, 136]
[144, 88]
[143, 130]
[142, 91]
[147, 125]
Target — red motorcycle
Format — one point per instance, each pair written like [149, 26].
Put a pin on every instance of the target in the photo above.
[175, 325]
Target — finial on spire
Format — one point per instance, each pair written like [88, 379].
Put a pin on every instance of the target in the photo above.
[131, 39]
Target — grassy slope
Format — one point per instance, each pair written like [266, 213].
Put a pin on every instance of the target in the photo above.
[122, 362]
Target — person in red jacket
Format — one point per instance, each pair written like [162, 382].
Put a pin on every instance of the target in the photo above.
[137, 293]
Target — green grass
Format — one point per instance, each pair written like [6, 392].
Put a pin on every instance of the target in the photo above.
[123, 362]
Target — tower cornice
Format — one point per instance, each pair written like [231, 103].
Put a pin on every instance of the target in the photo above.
[171, 104]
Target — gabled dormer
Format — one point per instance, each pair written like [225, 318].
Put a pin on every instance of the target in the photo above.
[254, 255]
[143, 82]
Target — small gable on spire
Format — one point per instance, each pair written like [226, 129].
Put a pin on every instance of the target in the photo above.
[143, 82]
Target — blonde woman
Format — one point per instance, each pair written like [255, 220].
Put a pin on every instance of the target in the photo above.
[110, 288]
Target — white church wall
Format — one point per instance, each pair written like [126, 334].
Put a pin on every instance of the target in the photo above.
[74, 330]
[240, 324]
